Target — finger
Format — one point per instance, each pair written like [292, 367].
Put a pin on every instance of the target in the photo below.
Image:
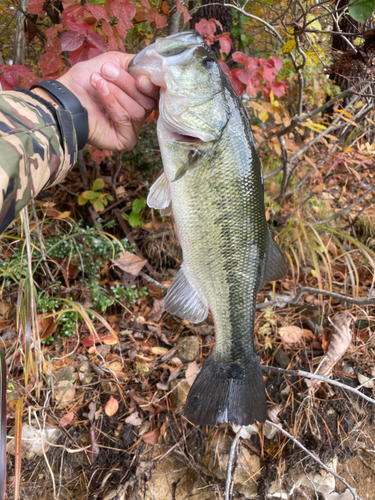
[127, 84]
[124, 135]
[145, 85]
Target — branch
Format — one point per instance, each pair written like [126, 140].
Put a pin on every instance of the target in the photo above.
[316, 291]
[322, 464]
[345, 209]
[322, 378]
[229, 466]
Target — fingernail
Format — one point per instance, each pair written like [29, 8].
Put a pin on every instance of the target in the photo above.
[95, 77]
[145, 84]
[110, 71]
[104, 87]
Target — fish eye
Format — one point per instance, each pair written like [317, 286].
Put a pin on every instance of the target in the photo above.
[208, 62]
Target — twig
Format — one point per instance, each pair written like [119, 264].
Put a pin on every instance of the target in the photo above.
[39, 233]
[316, 291]
[322, 464]
[229, 466]
[153, 282]
[322, 378]
[337, 214]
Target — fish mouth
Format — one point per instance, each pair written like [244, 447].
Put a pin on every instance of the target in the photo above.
[185, 138]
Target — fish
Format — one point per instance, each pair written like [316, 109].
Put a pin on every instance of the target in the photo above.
[213, 181]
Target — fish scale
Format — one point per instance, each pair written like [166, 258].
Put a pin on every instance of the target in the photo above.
[213, 181]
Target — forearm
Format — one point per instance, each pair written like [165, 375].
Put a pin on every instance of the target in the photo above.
[37, 149]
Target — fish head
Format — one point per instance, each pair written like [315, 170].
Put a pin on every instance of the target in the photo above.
[192, 99]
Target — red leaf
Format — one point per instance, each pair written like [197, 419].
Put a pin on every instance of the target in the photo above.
[35, 7]
[206, 28]
[98, 11]
[49, 63]
[268, 73]
[278, 88]
[53, 43]
[123, 10]
[98, 155]
[71, 40]
[79, 55]
[159, 19]
[93, 51]
[121, 29]
[145, 4]
[151, 437]
[111, 406]
[240, 57]
[225, 44]
[109, 31]
[98, 41]
[183, 10]
[278, 62]
[73, 12]
[82, 28]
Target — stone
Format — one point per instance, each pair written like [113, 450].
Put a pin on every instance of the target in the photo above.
[180, 392]
[188, 348]
[164, 477]
[85, 373]
[66, 373]
[340, 496]
[31, 444]
[62, 394]
[192, 487]
[323, 481]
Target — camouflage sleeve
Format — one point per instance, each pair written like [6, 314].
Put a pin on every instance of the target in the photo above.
[38, 147]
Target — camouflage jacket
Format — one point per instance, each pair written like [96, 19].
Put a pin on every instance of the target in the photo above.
[38, 147]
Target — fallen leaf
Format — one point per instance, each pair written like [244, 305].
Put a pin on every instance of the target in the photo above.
[159, 350]
[341, 338]
[273, 412]
[111, 406]
[116, 366]
[366, 381]
[65, 392]
[130, 263]
[67, 418]
[93, 339]
[93, 453]
[290, 334]
[192, 372]
[134, 419]
[151, 437]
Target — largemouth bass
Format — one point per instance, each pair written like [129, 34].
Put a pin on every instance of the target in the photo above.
[213, 181]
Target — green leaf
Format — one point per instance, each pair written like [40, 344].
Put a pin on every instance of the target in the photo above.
[82, 200]
[362, 10]
[276, 208]
[98, 205]
[98, 184]
[90, 195]
[109, 197]
[125, 217]
[138, 205]
[134, 219]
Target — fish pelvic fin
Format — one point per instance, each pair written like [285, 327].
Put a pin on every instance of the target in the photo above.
[184, 300]
[275, 266]
[227, 393]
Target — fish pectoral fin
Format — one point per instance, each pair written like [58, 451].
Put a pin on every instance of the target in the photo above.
[160, 193]
[195, 158]
[184, 301]
[275, 268]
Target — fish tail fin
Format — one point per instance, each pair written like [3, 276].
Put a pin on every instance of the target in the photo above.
[227, 393]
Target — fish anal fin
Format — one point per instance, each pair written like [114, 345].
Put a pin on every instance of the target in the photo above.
[275, 267]
[184, 301]
[227, 393]
[160, 193]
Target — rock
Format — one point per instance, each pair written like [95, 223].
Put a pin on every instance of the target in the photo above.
[340, 496]
[192, 487]
[66, 373]
[179, 395]
[32, 440]
[164, 477]
[269, 431]
[62, 394]
[248, 464]
[85, 373]
[324, 482]
[188, 348]
[281, 358]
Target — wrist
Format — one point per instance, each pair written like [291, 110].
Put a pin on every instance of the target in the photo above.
[45, 95]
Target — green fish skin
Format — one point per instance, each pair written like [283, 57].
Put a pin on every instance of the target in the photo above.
[213, 181]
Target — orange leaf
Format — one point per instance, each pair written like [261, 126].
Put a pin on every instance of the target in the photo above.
[66, 419]
[151, 437]
[111, 406]
[130, 263]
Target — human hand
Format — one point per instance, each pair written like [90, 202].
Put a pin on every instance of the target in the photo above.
[116, 103]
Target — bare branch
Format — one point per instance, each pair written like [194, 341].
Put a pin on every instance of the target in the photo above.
[229, 466]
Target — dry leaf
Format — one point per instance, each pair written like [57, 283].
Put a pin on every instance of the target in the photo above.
[130, 263]
[93, 453]
[66, 419]
[159, 350]
[111, 406]
[291, 334]
[273, 412]
[116, 366]
[192, 372]
[151, 437]
[64, 394]
[341, 338]
[134, 419]
[366, 381]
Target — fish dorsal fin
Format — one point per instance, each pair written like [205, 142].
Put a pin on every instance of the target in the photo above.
[275, 268]
[160, 193]
[184, 301]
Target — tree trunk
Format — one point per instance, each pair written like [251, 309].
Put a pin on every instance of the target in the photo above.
[20, 41]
